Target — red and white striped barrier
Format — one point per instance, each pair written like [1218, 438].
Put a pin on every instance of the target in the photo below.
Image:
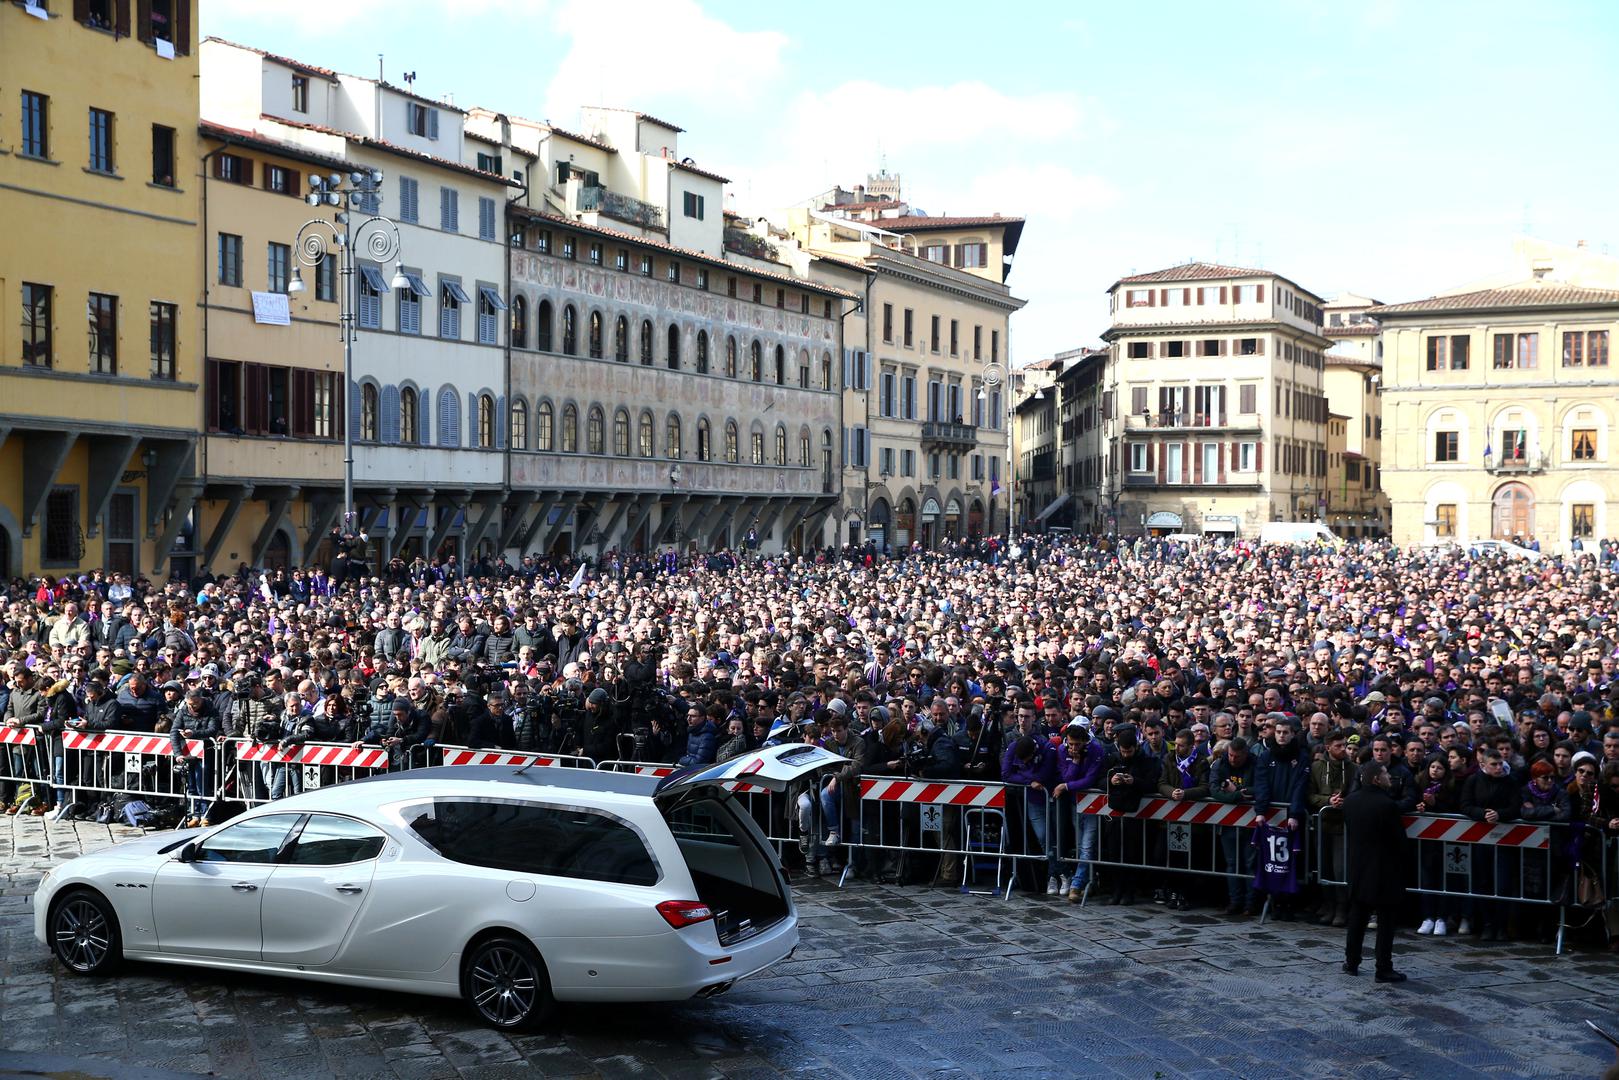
[1464, 831]
[1184, 811]
[17, 736]
[126, 742]
[461, 755]
[928, 791]
[335, 754]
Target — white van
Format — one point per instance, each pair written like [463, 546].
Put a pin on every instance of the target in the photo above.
[1297, 533]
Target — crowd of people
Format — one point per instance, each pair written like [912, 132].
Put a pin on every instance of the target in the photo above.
[1227, 672]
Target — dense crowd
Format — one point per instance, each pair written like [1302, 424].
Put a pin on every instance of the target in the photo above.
[1224, 672]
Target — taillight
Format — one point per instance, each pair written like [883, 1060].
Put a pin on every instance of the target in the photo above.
[681, 913]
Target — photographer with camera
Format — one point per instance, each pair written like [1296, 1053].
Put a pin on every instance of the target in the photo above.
[405, 728]
[1132, 775]
[601, 726]
[197, 720]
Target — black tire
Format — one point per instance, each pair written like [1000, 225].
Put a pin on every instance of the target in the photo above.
[504, 980]
[83, 929]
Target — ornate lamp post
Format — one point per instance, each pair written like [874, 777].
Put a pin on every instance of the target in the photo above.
[317, 238]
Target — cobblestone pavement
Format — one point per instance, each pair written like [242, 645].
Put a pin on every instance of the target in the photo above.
[888, 982]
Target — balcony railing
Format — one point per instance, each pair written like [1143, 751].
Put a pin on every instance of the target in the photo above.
[1518, 463]
[594, 199]
[949, 434]
[1171, 420]
[746, 243]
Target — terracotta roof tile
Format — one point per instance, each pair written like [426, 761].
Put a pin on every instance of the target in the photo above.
[1529, 294]
[684, 253]
[296, 65]
[689, 167]
[1351, 330]
[1194, 271]
[642, 116]
[393, 148]
[918, 223]
[211, 130]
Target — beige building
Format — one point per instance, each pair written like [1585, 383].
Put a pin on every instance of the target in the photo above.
[1216, 416]
[1357, 507]
[1501, 407]
[932, 378]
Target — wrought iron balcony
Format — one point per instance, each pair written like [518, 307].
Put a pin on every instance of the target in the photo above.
[595, 199]
[1171, 420]
[1519, 463]
[944, 433]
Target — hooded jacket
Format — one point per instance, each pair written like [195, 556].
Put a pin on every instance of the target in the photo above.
[1283, 776]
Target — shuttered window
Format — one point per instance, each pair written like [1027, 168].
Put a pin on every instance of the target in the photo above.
[409, 200]
[449, 418]
[449, 209]
[486, 218]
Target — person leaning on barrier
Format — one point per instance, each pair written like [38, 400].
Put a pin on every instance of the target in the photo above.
[1491, 795]
[1079, 769]
[1231, 781]
[1544, 800]
[25, 707]
[1184, 779]
[405, 728]
[1375, 832]
[196, 720]
[1283, 777]
[1331, 777]
[1130, 776]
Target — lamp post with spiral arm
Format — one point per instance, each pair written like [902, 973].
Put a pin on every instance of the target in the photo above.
[316, 239]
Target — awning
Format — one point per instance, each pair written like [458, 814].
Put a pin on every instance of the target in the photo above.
[1052, 507]
[457, 293]
[488, 293]
[417, 285]
[373, 278]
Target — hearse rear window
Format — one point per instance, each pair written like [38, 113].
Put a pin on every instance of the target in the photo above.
[529, 839]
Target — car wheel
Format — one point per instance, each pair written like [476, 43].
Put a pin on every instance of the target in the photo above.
[84, 933]
[506, 984]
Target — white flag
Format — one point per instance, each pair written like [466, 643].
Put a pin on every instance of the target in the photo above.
[578, 579]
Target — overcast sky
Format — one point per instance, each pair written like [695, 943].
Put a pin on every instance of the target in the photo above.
[1382, 147]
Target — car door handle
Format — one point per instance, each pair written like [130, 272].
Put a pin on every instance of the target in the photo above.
[349, 888]
[245, 886]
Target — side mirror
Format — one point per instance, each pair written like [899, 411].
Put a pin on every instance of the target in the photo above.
[187, 853]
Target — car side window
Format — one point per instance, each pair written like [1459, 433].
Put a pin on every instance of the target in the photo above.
[253, 841]
[554, 840]
[329, 840]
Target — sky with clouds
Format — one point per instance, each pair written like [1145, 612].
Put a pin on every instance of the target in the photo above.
[1384, 147]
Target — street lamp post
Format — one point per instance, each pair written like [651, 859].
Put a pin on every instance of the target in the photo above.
[316, 239]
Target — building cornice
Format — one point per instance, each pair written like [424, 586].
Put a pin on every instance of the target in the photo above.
[1118, 332]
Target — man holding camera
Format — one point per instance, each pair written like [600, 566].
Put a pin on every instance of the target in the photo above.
[1131, 775]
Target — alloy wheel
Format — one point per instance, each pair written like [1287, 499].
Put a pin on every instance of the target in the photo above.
[82, 935]
[504, 985]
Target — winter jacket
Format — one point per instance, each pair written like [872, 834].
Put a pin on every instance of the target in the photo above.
[1485, 792]
[466, 647]
[1221, 770]
[539, 639]
[1170, 778]
[499, 648]
[944, 757]
[1042, 767]
[1142, 768]
[139, 713]
[100, 715]
[700, 744]
[203, 726]
[1553, 807]
[1283, 776]
[433, 651]
[1081, 773]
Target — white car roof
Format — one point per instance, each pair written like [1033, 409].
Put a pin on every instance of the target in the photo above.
[483, 781]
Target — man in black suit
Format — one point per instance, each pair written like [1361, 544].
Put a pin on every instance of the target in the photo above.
[1375, 832]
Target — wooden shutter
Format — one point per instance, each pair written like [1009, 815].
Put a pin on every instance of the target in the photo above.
[143, 19]
[1163, 297]
[1197, 463]
[1259, 293]
[1152, 297]
[1222, 403]
[388, 415]
[256, 393]
[432, 123]
[1259, 455]
[1259, 346]
[81, 11]
[182, 27]
[211, 388]
[1222, 294]
[1220, 453]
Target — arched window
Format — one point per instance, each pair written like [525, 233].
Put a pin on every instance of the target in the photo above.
[449, 418]
[519, 330]
[826, 371]
[804, 448]
[702, 352]
[407, 416]
[621, 340]
[519, 424]
[646, 342]
[756, 447]
[542, 326]
[672, 358]
[705, 445]
[621, 433]
[644, 435]
[671, 437]
[781, 365]
[486, 421]
[730, 358]
[730, 441]
[596, 334]
[570, 331]
[804, 369]
[545, 419]
[756, 367]
[368, 413]
[595, 433]
[781, 445]
[570, 429]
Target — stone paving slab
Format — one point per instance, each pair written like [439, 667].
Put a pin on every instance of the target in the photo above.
[887, 983]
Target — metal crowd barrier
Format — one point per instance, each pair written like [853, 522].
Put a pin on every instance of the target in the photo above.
[262, 771]
[1475, 869]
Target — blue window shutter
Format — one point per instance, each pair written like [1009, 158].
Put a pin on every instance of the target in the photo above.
[389, 420]
[432, 123]
[500, 421]
[354, 409]
[449, 419]
[472, 420]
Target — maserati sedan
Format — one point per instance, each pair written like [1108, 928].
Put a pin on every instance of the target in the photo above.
[512, 888]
